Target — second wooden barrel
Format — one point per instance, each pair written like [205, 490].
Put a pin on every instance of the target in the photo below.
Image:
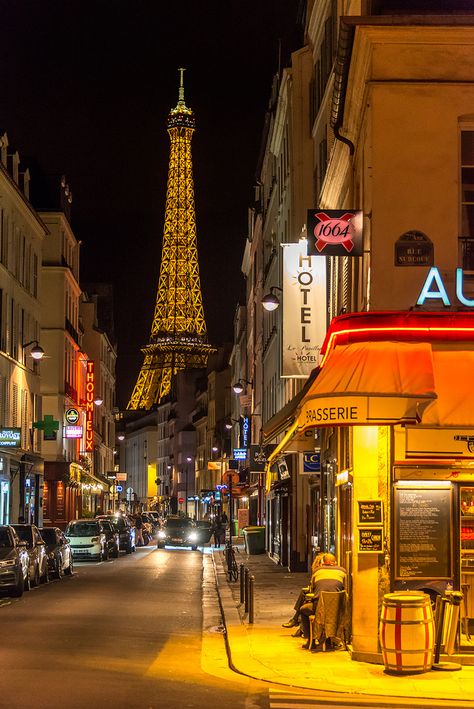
[406, 632]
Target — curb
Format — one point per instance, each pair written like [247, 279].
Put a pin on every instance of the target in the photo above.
[236, 634]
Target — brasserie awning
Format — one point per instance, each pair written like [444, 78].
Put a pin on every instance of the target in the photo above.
[391, 368]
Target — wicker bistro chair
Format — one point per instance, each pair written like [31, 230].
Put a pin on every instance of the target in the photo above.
[330, 621]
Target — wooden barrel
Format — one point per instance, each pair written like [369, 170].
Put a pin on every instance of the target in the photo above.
[407, 632]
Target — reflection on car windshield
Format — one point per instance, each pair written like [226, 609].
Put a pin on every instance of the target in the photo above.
[83, 529]
[178, 522]
[25, 533]
[5, 540]
[49, 535]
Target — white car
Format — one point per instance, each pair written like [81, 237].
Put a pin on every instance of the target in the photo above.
[87, 539]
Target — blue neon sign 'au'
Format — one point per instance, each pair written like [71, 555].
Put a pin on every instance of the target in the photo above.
[434, 289]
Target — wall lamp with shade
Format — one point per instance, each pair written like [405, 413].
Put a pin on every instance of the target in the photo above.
[37, 352]
[229, 423]
[121, 437]
[239, 386]
[98, 401]
[270, 301]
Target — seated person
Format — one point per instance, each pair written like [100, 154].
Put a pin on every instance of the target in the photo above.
[294, 620]
[328, 577]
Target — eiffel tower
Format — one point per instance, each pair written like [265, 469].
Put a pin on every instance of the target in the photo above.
[178, 337]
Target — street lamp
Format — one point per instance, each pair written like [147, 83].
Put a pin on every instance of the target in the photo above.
[239, 385]
[270, 301]
[37, 352]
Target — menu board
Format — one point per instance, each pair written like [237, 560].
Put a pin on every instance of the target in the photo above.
[370, 540]
[370, 512]
[423, 530]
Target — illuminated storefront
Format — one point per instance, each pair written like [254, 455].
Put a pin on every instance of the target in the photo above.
[392, 408]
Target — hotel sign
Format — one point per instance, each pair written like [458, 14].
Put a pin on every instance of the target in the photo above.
[304, 310]
[90, 396]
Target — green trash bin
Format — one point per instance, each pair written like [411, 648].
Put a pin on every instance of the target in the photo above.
[254, 540]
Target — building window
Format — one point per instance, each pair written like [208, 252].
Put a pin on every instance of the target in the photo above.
[466, 241]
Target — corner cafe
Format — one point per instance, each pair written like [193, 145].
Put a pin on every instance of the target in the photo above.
[392, 410]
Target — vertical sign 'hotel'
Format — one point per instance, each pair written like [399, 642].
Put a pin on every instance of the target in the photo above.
[304, 310]
[89, 406]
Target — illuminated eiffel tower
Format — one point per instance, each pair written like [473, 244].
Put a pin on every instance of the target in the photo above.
[178, 337]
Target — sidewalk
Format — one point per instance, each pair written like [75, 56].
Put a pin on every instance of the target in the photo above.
[266, 651]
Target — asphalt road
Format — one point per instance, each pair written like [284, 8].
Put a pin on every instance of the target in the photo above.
[122, 633]
[127, 634]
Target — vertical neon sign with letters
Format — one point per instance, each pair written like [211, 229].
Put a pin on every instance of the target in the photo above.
[90, 387]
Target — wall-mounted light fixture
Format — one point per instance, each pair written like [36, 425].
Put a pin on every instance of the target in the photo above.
[98, 401]
[37, 352]
[121, 437]
[239, 386]
[270, 301]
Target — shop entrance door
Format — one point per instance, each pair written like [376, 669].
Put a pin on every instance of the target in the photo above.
[466, 517]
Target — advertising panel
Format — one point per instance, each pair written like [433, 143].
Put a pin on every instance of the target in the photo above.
[304, 310]
[335, 232]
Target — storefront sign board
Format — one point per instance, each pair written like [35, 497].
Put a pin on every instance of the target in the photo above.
[425, 442]
[423, 532]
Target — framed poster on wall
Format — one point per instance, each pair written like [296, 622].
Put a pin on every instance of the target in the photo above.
[423, 526]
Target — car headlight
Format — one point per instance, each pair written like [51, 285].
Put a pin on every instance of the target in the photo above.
[193, 536]
[7, 562]
[161, 534]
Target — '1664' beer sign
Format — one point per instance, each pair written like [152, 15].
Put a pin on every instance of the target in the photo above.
[334, 232]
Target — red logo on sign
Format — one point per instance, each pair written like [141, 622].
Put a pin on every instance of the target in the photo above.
[331, 230]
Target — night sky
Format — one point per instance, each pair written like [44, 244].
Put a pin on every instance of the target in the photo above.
[86, 87]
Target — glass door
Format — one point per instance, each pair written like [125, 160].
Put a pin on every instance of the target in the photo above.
[466, 495]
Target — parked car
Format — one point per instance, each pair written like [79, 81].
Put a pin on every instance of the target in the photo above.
[36, 548]
[112, 537]
[87, 539]
[14, 562]
[204, 530]
[178, 532]
[125, 529]
[59, 552]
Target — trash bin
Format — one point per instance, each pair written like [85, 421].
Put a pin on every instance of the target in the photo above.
[254, 538]
[407, 632]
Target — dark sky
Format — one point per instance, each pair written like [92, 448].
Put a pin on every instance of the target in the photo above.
[85, 90]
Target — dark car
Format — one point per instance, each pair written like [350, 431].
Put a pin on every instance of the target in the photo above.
[36, 549]
[204, 530]
[178, 532]
[112, 537]
[59, 552]
[125, 530]
[14, 562]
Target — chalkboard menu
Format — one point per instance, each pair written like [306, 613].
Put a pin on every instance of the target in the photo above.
[370, 512]
[370, 540]
[423, 531]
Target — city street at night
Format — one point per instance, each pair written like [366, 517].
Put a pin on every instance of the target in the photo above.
[122, 633]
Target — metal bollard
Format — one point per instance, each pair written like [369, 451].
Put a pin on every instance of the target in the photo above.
[242, 587]
[251, 606]
[246, 590]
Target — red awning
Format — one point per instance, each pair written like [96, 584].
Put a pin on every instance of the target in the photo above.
[371, 383]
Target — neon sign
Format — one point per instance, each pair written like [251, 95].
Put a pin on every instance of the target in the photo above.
[90, 388]
[434, 289]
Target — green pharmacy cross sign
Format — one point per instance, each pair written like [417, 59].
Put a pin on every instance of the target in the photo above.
[49, 426]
